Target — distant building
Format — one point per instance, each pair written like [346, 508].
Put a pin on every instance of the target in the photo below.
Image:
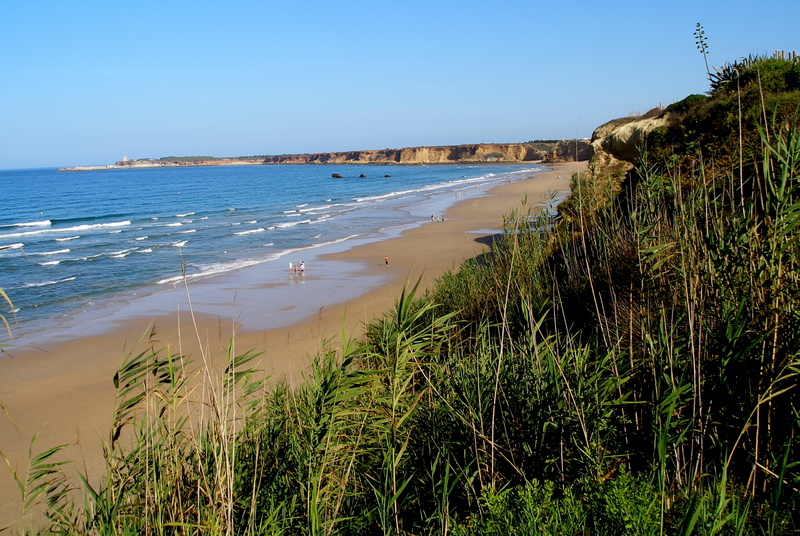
[783, 55]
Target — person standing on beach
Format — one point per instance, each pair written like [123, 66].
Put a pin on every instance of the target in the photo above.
[386, 260]
[290, 267]
[302, 267]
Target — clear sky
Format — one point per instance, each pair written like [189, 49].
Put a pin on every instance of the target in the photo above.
[89, 82]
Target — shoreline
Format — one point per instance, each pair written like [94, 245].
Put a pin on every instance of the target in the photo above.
[258, 270]
[64, 390]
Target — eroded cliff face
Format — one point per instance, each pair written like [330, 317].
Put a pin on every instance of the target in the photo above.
[560, 151]
[618, 143]
[539, 151]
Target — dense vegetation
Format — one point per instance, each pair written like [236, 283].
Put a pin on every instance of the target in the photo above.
[628, 367]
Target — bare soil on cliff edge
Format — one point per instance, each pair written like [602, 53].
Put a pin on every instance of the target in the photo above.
[64, 392]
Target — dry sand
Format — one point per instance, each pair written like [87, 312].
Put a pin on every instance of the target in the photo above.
[63, 391]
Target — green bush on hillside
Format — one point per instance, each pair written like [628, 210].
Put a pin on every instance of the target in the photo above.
[755, 94]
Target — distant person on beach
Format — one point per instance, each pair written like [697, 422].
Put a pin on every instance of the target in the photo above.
[432, 218]
[291, 266]
[386, 260]
[302, 267]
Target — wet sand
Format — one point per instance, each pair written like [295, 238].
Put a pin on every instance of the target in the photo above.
[63, 388]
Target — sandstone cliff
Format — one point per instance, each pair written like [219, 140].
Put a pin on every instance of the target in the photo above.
[547, 151]
[616, 145]
[503, 153]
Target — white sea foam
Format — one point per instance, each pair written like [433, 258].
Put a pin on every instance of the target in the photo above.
[140, 238]
[67, 238]
[289, 211]
[147, 250]
[383, 197]
[319, 208]
[183, 215]
[222, 267]
[251, 231]
[173, 279]
[49, 263]
[46, 283]
[12, 246]
[84, 227]
[251, 222]
[188, 231]
[99, 225]
[425, 189]
[115, 232]
[154, 218]
[177, 224]
[321, 244]
[207, 270]
[57, 252]
[121, 254]
[43, 223]
[91, 257]
[301, 206]
[179, 244]
[291, 224]
[231, 209]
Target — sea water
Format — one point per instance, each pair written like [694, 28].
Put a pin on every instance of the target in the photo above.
[70, 240]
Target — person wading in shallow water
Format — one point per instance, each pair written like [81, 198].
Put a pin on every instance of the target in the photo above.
[386, 260]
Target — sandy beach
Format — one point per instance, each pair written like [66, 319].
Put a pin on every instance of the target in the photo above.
[63, 390]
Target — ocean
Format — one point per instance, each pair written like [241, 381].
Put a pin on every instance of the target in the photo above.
[73, 241]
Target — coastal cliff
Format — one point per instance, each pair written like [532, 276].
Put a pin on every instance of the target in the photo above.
[480, 153]
[542, 151]
[616, 145]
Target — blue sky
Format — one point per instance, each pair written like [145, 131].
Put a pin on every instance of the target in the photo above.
[88, 82]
